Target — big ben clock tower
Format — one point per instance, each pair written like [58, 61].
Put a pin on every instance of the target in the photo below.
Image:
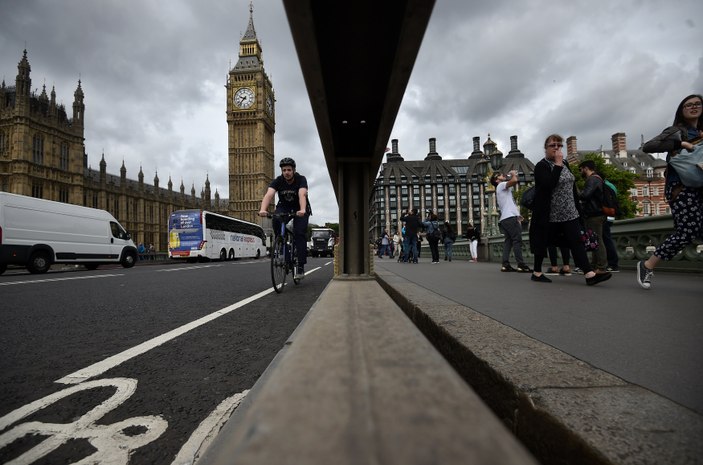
[251, 124]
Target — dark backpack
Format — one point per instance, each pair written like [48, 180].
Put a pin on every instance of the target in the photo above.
[610, 201]
[436, 233]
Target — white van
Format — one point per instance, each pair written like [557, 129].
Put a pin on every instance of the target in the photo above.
[37, 233]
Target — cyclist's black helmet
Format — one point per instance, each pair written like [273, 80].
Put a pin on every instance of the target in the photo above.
[287, 162]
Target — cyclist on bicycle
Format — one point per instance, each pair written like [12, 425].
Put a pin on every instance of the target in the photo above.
[292, 189]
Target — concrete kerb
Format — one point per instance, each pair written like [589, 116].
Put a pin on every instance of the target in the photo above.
[562, 409]
[358, 383]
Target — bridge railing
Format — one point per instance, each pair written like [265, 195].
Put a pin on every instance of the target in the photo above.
[635, 239]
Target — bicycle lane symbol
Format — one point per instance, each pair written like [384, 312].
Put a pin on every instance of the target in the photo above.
[113, 445]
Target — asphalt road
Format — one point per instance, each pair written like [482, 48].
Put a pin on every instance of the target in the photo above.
[647, 337]
[137, 365]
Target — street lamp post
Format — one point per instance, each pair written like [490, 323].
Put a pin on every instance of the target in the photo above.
[496, 160]
[650, 177]
[481, 169]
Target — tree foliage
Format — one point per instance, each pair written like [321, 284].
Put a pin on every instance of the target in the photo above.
[622, 180]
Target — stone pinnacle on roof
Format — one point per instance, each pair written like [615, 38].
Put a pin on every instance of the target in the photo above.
[251, 32]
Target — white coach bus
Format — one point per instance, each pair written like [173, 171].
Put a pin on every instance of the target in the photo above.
[200, 234]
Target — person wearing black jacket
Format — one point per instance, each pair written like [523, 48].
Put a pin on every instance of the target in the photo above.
[592, 210]
[555, 215]
[686, 202]
[412, 227]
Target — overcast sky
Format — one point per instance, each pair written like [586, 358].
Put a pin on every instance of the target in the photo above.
[153, 74]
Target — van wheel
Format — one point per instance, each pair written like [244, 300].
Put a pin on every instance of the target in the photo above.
[3, 267]
[223, 255]
[39, 262]
[91, 266]
[129, 259]
[231, 254]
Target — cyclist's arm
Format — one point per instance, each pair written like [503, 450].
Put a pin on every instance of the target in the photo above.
[266, 201]
[302, 200]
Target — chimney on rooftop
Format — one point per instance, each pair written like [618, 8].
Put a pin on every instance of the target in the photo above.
[571, 150]
[619, 145]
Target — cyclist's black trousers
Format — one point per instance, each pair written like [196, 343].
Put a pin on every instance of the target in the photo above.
[300, 227]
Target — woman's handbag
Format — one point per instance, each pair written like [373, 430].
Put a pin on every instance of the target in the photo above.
[589, 239]
[689, 166]
[528, 198]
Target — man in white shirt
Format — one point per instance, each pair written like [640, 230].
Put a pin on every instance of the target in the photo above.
[509, 222]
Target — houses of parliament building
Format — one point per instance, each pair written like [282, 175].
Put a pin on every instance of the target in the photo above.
[42, 153]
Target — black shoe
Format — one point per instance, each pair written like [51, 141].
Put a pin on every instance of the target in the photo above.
[522, 268]
[540, 279]
[507, 267]
[598, 278]
[644, 275]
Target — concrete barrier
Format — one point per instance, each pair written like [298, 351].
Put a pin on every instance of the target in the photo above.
[358, 384]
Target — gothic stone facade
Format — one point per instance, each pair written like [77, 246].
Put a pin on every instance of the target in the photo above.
[42, 154]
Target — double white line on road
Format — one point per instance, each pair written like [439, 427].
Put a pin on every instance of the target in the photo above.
[111, 362]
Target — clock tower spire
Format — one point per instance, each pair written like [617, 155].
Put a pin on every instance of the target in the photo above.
[251, 125]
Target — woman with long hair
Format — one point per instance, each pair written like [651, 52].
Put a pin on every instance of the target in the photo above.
[686, 203]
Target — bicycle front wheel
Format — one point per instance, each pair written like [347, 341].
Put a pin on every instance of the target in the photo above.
[278, 265]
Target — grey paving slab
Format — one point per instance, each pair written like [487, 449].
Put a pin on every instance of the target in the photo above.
[651, 338]
[497, 330]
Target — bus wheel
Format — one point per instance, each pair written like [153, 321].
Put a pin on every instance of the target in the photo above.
[231, 254]
[223, 255]
[39, 262]
[129, 259]
[258, 254]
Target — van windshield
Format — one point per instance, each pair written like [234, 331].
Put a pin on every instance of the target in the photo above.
[323, 234]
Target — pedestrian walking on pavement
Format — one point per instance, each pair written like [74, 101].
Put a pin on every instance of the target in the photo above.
[611, 251]
[433, 235]
[448, 237]
[412, 226]
[474, 236]
[686, 202]
[510, 223]
[555, 215]
[592, 210]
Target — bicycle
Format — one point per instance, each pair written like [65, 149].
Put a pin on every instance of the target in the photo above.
[284, 257]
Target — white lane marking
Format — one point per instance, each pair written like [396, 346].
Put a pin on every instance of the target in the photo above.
[112, 443]
[206, 432]
[117, 359]
[186, 268]
[48, 280]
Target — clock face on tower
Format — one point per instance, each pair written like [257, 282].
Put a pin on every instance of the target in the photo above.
[244, 98]
[269, 105]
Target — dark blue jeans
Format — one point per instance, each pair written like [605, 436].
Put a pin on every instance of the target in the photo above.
[300, 229]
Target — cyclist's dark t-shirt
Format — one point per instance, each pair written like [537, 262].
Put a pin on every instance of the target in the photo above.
[288, 193]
